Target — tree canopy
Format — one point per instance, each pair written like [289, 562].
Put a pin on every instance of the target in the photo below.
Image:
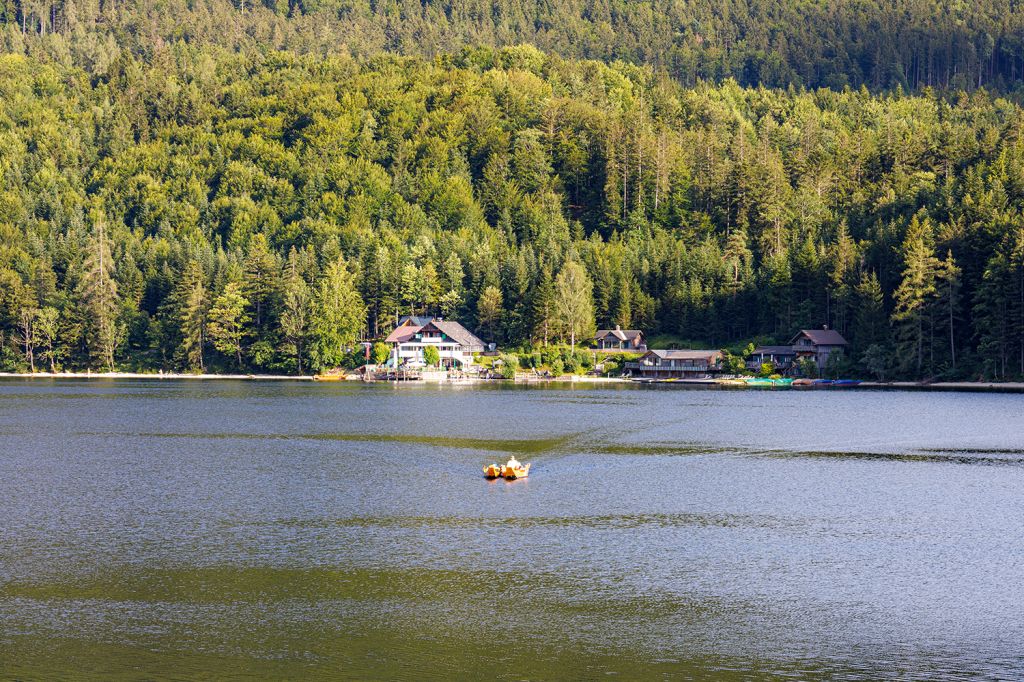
[184, 204]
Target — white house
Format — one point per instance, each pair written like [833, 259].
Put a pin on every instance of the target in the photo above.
[455, 344]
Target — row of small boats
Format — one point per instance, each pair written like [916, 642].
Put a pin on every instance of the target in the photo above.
[766, 382]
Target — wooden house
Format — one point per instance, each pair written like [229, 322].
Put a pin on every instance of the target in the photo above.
[676, 364]
[817, 345]
[619, 339]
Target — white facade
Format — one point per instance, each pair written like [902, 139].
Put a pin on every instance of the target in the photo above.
[409, 343]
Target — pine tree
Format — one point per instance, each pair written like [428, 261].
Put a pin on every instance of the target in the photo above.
[295, 310]
[228, 320]
[543, 308]
[261, 271]
[947, 283]
[489, 310]
[914, 295]
[193, 315]
[98, 292]
[870, 324]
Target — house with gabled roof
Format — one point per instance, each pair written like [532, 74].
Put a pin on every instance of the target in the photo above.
[620, 339]
[455, 344]
[817, 345]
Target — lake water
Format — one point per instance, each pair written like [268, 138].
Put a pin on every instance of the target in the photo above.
[228, 530]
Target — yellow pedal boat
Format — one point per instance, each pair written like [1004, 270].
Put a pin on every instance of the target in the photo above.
[512, 473]
[492, 471]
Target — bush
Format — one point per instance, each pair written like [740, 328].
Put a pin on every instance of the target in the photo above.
[380, 353]
[431, 356]
[557, 369]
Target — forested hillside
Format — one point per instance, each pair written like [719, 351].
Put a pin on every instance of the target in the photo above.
[257, 186]
[206, 208]
[777, 43]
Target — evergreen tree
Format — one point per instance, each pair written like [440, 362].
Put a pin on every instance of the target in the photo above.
[193, 315]
[295, 311]
[338, 317]
[228, 320]
[98, 293]
[489, 310]
[914, 295]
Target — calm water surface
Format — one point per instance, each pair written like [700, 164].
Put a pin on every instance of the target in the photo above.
[184, 530]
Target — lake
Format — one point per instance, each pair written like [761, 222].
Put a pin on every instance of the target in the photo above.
[229, 530]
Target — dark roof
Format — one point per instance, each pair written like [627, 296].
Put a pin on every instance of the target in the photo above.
[456, 331]
[774, 350]
[621, 334]
[414, 320]
[685, 354]
[822, 337]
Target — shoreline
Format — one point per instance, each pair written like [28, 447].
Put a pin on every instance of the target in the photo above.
[952, 386]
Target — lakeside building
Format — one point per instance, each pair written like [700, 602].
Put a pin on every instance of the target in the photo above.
[779, 357]
[818, 345]
[677, 364]
[620, 339]
[455, 344]
[815, 344]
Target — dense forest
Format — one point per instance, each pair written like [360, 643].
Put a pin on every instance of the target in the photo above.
[178, 193]
[776, 43]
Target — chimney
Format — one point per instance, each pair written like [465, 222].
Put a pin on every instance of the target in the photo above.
[618, 328]
[825, 327]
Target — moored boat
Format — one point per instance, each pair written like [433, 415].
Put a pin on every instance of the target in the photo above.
[803, 382]
[492, 471]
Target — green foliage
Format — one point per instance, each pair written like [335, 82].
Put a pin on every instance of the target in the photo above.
[228, 321]
[875, 361]
[509, 366]
[338, 317]
[807, 368]
[431, 356]
[380, 352]
[530, 196]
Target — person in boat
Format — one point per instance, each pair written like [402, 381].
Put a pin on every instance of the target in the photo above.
[514, 463]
